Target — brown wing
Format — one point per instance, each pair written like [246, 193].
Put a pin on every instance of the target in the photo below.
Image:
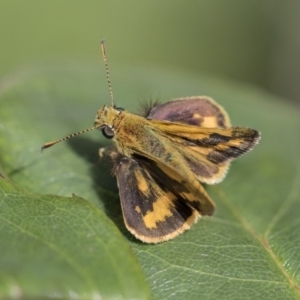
[208, 151]
[155, 206]
[199, 111]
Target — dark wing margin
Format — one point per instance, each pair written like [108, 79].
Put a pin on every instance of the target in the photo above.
[198, 111]
[155, 207]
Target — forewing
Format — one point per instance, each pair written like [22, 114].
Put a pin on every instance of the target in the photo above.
[155, 206]
[220, 145]
[199, 111]
[208, 151]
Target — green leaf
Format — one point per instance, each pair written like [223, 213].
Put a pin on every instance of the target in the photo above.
[250, 249]
[62, 248]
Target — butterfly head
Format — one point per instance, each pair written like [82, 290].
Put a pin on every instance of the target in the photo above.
[105, 119]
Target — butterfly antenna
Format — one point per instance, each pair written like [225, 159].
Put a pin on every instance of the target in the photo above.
[107, 72]
[49, 144]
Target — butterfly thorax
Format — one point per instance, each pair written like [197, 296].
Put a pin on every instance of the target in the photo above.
[126, 129]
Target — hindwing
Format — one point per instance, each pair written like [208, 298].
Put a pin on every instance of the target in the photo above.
[155, 206]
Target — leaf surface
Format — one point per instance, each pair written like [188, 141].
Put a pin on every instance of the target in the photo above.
[54, 247]
[250, 248]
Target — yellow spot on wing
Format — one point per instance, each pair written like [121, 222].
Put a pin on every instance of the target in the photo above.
[196, 116]
[161, 210]
[209, 122]
[188, 196]
[142, 184]
[137, 209]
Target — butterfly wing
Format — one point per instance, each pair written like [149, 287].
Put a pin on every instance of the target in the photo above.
[207, 151]
[199, 111]
[155, 206]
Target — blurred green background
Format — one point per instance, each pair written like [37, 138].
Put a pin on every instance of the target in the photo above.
[255, 41]
[171, 48]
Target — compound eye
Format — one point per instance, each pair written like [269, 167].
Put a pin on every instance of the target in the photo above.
[108, 132]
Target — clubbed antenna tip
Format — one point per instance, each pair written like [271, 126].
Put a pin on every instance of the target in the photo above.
[49, 144]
